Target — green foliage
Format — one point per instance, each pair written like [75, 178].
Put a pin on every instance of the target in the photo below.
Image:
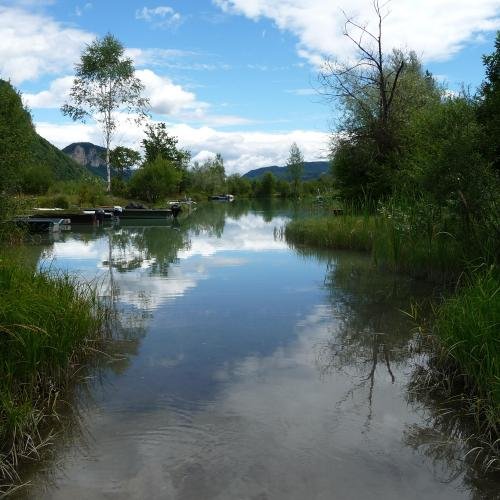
[91, 193]
[267, 186]
[48, 323]
[58, 201]
[238, 185]
[16, 131]
[295, 167]
[467, 325]
[444, 156]
[36, 180]
[489, 106]
[357, 173]
[208, 177]
[283, 188]
[105, 81]
[367, 157]
[122, 159]
[159, 143]
[154, 180]
[28, 162]
[46, 155]
[351, 232]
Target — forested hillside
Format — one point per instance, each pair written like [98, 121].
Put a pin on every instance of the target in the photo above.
[27, 159]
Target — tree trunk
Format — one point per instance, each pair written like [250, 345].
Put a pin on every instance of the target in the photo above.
[108, 168]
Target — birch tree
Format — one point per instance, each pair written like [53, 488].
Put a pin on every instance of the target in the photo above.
[105, 83]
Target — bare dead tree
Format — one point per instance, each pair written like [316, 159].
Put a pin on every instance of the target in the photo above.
[366, 86]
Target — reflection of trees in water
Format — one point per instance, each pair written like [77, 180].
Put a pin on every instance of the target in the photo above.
[130, 247]
[447, 439]
[371, 331]
[372, 336]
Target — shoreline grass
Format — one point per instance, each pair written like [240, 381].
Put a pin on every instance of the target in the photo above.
[49, 324]
[467, 325]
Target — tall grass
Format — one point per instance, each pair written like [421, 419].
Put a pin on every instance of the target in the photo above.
[468, 326]
[404, 235]
[48, 324]
[346, 232]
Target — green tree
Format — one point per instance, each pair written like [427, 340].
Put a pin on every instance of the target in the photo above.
[156, 179]
[210, 176]
[376, 94]
[122, 159]
[268, 185]
[238, 185]
[158, 142]
[489, 106]
[367, 86]
[283, 188]
[295, 167]
[105, 83]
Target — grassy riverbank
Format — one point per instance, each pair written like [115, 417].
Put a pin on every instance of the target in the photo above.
[48, 325]
[467, 326]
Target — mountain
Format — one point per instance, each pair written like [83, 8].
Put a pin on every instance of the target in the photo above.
[312, 170]
[88, 155]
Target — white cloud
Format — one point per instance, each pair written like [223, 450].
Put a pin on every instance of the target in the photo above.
[162, 16]
[166, 97]
[156, 56]
[34, 45]
[242, 151]
[53, 97]
[302, 92]
[435, 29]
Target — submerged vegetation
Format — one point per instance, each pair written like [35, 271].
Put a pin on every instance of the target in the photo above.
[49, 323]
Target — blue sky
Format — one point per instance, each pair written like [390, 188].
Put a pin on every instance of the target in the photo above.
[229, 76]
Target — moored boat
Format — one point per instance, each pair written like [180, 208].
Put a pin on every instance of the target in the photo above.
[222, 197]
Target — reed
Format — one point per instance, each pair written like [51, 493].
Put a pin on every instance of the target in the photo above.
[346, 232]
[49, 323]
[467, 326]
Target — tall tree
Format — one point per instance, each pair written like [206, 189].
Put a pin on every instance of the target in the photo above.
[295, 167]
[105, 83]
[158, 142]
[210, 176]
[122, 159]
[368, 85]
[489, 105]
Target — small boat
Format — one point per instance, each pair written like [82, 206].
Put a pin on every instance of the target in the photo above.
[97, 216]
[146, 213]
[41, 224]
[222, 197]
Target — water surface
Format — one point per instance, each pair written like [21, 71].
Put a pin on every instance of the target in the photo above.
[247, 370]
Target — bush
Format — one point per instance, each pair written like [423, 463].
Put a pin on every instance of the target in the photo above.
[57, 201]
[36, 180]
[154, 180]
[91, 193]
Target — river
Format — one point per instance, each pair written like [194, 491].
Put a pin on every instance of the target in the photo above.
[241, 368]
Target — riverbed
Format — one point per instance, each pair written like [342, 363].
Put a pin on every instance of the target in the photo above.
[241, 368]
